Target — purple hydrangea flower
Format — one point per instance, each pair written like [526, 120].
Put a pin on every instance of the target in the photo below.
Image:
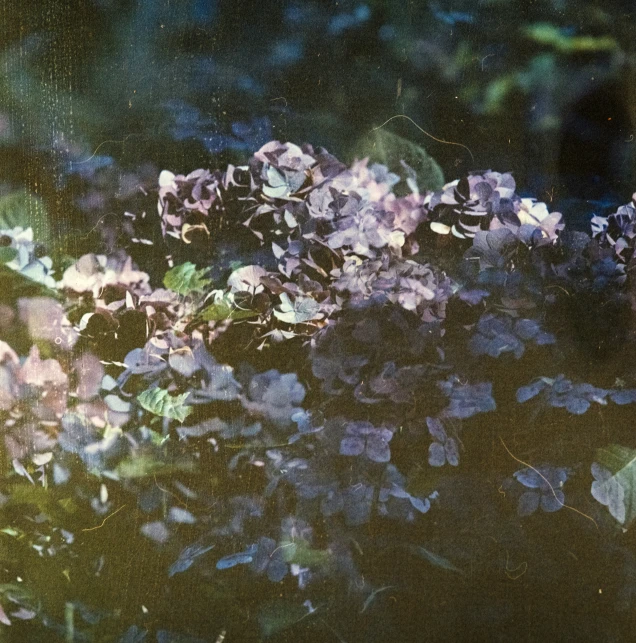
[275, 396]
[465, 206]
[364, 438]
[443, 448]
[544, 489]
[466, 400]
[563, 393]
[269, 558]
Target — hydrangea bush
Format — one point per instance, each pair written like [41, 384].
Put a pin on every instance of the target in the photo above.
[269, 432]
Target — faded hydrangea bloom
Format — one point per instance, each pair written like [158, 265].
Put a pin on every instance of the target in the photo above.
[365, 231]
[95, 273]
[364, 438]
[618, 230]
[467, 205]
[186, 203]
[443, 448]
[544, 489]
[275, 396]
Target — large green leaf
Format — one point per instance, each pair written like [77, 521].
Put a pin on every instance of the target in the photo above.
[383, 146]
[25, 210]
[185, 279]
[42, 498]
[16, 285]
[225, 308]
[160, 402]
[621, 462]
[551, 35]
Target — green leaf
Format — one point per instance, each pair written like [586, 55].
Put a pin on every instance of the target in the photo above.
[185, 279]
[7, 254]
[278, 616]
[144, 466]
[548, 34]
[621, 462]
[25, 210]
[42, 498]
[225, 308]
[158, 401]
[11, 531]
[382, 146]
[497, 91]
[16, 285]
[68, 504]
[300, 553]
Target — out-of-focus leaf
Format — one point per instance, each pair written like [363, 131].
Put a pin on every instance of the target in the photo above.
[160, 402]
[547, 34]
[434, 559]
[40, 497]
[278, 616]
[142, 466]
[382, 146]
[185, 279]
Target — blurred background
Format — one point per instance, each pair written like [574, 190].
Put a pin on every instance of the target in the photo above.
[97, 96]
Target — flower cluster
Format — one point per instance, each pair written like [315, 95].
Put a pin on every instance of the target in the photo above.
[488, 201]
[332, 385]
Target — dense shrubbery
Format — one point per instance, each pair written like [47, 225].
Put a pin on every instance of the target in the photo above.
[305, 417]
